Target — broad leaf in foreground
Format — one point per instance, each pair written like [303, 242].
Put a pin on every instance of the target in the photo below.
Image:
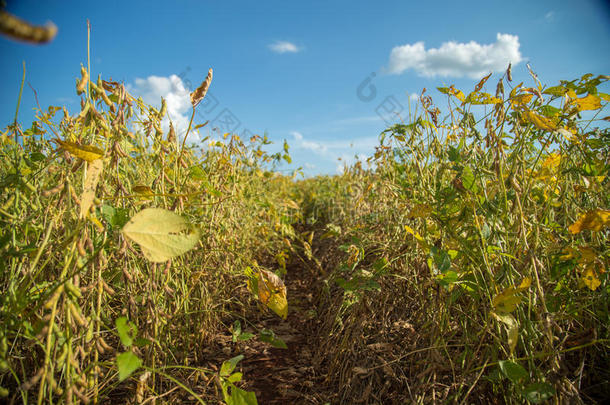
[161, 234]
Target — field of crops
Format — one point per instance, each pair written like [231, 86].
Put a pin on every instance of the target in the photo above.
[466, 262]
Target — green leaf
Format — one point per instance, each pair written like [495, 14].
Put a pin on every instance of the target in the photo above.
[235, 377]
[268, 336]
[228, 366]
[468, 180]
[241, 397]
[126, 330]
[538, 392]
[161, 234]
[442, 260]
[513, 371]
[116, 217]
[127, 363]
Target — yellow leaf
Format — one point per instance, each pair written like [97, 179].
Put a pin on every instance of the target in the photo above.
[525, 284]
[417, 236]
[161, 234]
[272, 292]
[552, 161]
[457, 93]
[507, 300]
[85, 152]
[521, 99]
[94, 169]
[590, 102]
[590, 279]
[539, 121]
[593, 220]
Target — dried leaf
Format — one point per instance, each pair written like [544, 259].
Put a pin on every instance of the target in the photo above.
[270, 290]
[594, 220]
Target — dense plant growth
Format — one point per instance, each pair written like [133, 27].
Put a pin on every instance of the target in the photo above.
[467, 262]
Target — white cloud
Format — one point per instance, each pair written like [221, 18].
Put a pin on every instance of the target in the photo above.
[284, 47]
[550, 16]
[176, 95]
[457, 59]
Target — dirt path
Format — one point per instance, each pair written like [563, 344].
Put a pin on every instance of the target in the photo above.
[288, 376]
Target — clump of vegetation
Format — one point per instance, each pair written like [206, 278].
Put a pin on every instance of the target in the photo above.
[476, 252]
[96, 214]
[468, 262]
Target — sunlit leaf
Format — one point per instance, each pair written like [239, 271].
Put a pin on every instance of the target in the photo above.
[161, 234]
[594, 220]
[270, 290]
[85, 152]
[521, 99]
[557, 91]
[94, 169]
[539, 121]
[482, 98]
[590, 102]
[127, 363]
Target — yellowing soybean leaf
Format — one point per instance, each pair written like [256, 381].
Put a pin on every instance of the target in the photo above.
[507, 300]
[417, 236]
[521, 99]
[144, 190]
[272, 292]
[85, 152]
[594, 220]
[589, 277]
[94, 169]
[590, 102]
[161, 234]
[482, 98]
[552, 161]
[525, 284]
[539, 121]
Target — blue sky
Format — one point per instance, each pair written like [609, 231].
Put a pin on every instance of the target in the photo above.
[297, 70]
